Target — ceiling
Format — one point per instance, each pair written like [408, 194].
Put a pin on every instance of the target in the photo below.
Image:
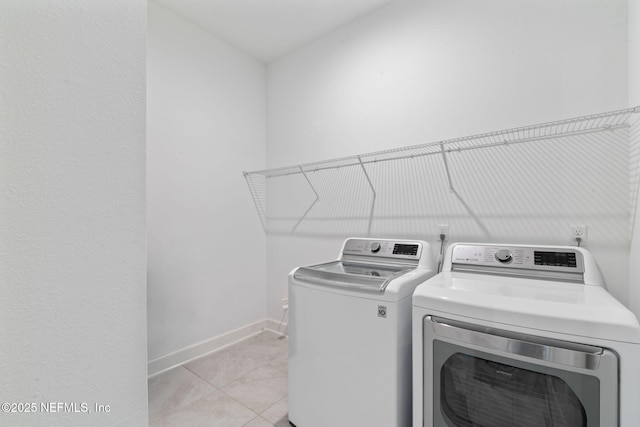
[269, 29]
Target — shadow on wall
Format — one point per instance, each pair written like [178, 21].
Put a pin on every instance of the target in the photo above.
[530, 183]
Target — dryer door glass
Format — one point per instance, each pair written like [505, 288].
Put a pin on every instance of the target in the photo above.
[480, 392]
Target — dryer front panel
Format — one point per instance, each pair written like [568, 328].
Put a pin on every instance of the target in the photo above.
[488, 377]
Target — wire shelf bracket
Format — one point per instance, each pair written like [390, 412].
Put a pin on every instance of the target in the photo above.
[312, 203]
[373, 198]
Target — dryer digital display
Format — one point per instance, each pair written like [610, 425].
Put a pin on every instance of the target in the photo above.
[556, 259]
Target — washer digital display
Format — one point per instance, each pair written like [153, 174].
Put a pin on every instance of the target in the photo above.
[401, 249]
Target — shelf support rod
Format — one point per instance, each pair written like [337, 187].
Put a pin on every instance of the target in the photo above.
[455, 193]
[446, 167]
[373, 200]
[312, 203]
[260, 207]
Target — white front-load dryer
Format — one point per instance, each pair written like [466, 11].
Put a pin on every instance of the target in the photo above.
[523, 335]
[350, 335]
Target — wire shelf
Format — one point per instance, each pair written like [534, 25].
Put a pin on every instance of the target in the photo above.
[353, 191]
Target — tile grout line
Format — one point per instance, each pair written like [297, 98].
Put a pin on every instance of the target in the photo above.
[269, 364]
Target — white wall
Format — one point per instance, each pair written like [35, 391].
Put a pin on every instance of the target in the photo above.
[417, 71]
[72, 211]
[634, 100]
[206, 124]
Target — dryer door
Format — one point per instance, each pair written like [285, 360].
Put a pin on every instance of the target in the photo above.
[487, 377]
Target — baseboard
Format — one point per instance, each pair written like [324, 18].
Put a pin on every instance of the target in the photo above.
[276, 326]
[187, 354]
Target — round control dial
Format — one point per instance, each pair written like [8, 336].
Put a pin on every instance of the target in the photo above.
[504, 255]
[375, 247]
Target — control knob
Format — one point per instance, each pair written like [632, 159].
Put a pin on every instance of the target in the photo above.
[504, 255]
[375, 247]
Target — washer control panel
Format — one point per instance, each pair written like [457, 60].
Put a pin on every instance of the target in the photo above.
[539, 258]
[405, 249]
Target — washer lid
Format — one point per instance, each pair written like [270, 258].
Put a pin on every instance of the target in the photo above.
[588, 311]
[352, 276]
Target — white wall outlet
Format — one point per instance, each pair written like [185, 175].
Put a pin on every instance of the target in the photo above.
[578, 234]
[443, 229]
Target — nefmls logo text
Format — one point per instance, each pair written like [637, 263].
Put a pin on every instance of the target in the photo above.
[67, 407]
[72, 407]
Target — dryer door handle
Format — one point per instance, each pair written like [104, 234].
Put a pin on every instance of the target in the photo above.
[514, 343]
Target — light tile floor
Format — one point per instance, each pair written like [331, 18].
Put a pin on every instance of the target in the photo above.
[241, 385]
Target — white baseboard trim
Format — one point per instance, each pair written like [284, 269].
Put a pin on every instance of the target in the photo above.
[275, 326]
[187, 354]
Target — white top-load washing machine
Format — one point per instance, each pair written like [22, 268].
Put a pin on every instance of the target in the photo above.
[350, 335]
[522, 335]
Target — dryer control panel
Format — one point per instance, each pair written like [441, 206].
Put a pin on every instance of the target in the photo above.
[511, 259]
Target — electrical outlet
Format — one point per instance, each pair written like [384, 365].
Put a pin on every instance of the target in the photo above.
[443, 229]
[578, 232]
